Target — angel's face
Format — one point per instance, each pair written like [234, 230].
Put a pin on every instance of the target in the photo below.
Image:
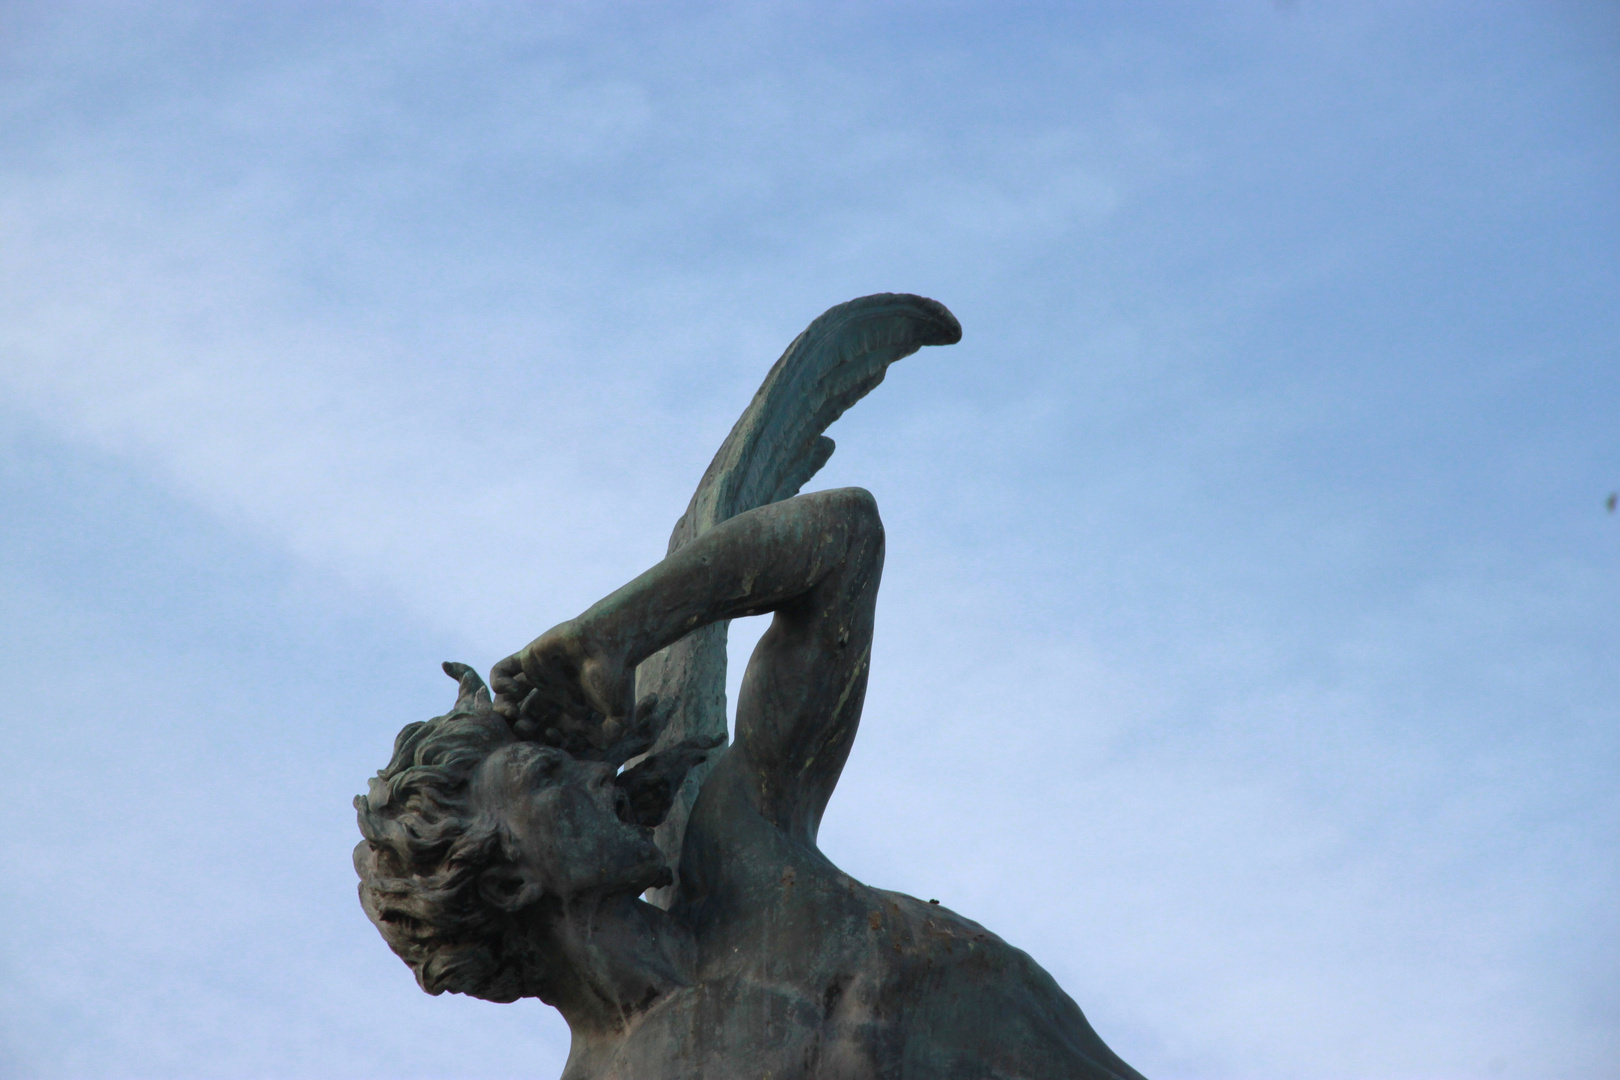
[569, 820]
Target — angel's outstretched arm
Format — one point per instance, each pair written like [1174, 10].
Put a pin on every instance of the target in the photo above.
[813, 561]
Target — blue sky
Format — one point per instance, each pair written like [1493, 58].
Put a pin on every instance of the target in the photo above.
[1248, 648]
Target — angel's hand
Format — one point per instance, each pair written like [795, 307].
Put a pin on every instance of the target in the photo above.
[511, 686]
[562, 687]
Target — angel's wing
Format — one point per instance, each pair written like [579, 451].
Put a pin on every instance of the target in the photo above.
[775, 447]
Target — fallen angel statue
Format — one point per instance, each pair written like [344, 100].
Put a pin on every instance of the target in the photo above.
[585, 837]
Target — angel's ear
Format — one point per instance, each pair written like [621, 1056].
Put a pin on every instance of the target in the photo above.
[508, 888]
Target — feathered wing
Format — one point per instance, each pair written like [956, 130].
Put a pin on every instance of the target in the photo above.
[775, 447]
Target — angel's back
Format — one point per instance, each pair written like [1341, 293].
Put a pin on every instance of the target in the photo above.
[804, 972]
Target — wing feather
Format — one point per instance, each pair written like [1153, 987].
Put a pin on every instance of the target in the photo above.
[773, 450]
[776, 446]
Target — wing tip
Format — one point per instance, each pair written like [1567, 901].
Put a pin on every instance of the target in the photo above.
[935, 325]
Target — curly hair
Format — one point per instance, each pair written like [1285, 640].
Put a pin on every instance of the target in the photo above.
[426, 846]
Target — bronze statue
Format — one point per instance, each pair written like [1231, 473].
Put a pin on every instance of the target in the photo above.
[509, 843]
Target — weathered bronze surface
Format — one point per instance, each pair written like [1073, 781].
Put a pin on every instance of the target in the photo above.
[509, 844]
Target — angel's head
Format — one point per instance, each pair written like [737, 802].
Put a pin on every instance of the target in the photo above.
[476, 840]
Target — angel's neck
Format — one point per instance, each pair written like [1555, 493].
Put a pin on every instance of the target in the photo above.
[613, 959]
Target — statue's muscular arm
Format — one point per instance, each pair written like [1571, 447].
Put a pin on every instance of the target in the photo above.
[815, 562]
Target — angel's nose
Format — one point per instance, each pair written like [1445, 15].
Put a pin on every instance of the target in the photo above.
[602, 775]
